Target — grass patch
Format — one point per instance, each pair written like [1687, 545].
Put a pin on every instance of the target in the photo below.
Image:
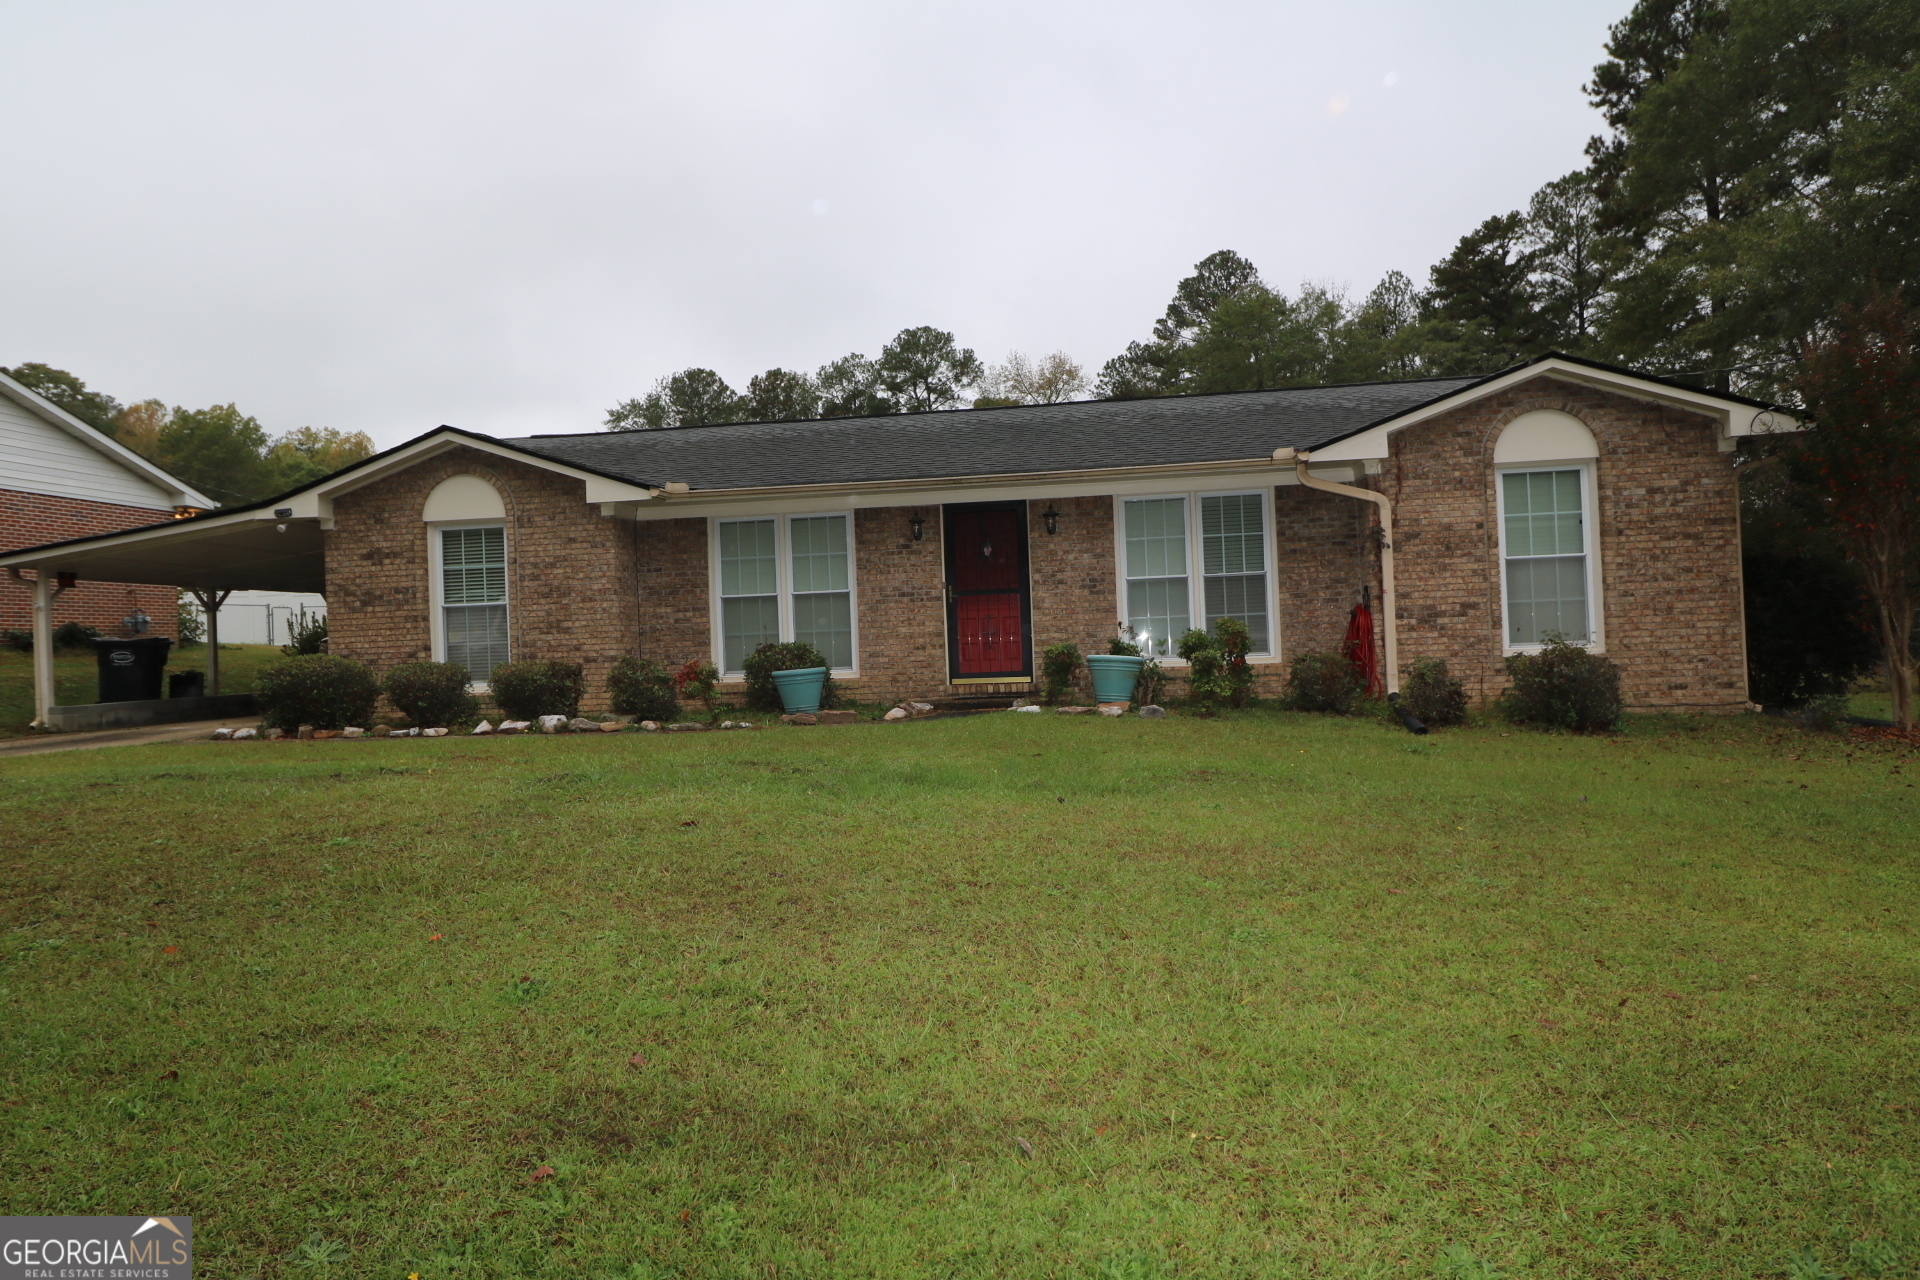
[1265, 995]
[76, 677]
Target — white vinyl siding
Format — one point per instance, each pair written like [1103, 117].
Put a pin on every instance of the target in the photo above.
[473, 599]
[1162, 597]
[785, 578]
[37, 456]
[1544, 535]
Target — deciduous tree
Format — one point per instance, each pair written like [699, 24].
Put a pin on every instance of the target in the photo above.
[1861, 387]
[63, 389]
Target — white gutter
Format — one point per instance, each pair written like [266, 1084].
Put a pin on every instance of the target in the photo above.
[1389, 614]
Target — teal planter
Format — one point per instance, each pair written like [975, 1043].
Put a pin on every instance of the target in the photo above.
[800, 690]
[1114, 675]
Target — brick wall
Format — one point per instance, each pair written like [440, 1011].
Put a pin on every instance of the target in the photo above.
[676, 622]
[570, 570]
[30, 519]
[1668, 538]
[1323, 557]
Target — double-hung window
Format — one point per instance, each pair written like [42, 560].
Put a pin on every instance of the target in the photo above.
[785, 578]
[473, 598]
[1168, 590]
[1545, 542]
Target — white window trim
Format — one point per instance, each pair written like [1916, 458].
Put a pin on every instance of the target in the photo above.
[1589, 533]
[1196, 578]
[783, 576]
[436, 612]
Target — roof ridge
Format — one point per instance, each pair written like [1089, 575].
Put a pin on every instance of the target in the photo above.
[999, 408]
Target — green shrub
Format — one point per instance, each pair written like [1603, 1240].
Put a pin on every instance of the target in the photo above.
[795, 655]
[1823, 713]
[1324, 682]
[641, 687]
[1237, 673]
[1206, 668]
[317, 689]
[1562, 687]
[306, 633]
[696, 680]
[431, 694]
[528, 690]
[18, 641]
[1434, 697]
[189, 625]
[1123, 644]
[1058, 666]
[74, 635]
[1152, 684]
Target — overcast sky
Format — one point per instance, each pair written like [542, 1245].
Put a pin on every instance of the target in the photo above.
[382, 217]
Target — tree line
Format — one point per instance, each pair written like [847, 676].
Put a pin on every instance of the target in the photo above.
[219, 451]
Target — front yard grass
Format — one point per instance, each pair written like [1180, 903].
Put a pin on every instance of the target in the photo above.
[1005, 996]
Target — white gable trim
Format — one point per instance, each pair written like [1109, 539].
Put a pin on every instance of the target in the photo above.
[177, 492]
[316, 500]
[1735, 418]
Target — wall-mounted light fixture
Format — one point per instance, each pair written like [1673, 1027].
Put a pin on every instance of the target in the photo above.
[916, 524]
[65, 580]
[1052, 518]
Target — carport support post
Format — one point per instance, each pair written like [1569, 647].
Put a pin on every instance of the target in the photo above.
[210, 602]
[42, 648]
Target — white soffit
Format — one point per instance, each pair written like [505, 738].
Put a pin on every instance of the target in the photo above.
[463, 497]
[1734, 418]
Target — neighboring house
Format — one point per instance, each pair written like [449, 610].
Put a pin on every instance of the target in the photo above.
[935, 555]
[59, 479]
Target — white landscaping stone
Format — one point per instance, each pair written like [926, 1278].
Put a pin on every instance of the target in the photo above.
[552, 724]
[1035, 710]
[1151, 712]
[514, 726]
[898, 713]
[221, 735]
[651, 726]
[920, 708]
[580, 724]
[351, 732]
[485, 726]
[615, 726]
[433, 733]
[274, 735]
[1113, 708]
[239, 734]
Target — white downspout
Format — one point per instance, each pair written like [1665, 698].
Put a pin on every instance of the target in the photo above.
[1390, 620]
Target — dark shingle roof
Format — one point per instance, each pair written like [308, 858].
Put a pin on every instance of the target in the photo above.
[1084, 435]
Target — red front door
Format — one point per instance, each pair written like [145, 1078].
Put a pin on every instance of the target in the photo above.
[987, 629]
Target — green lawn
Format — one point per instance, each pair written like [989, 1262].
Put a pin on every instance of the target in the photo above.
[1004, 996]
[76, 677]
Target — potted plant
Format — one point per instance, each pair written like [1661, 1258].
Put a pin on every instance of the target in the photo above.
[793, 673]
[1116, 671]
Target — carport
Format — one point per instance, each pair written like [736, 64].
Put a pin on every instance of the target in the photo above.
[249, 549]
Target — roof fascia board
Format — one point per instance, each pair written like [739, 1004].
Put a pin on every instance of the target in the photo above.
[933, 489]
[317, 499]
[1735, 417]
[182, 494]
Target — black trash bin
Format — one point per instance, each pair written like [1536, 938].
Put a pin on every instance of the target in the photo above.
[186, 684]
[130, 670]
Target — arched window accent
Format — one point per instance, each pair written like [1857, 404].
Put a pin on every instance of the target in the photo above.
[1544, 477]
[467, 537]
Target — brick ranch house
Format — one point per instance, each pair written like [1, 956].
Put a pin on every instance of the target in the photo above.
[61, 479]
[936, 555]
